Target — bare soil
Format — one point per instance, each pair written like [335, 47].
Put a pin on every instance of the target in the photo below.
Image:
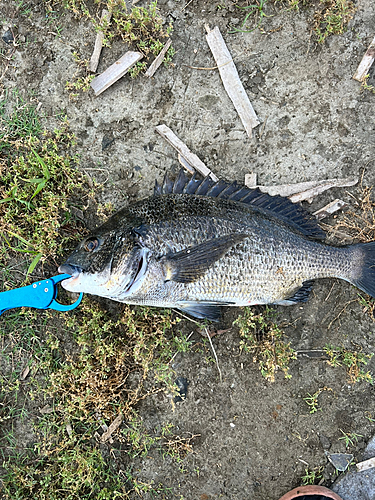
[254, 438]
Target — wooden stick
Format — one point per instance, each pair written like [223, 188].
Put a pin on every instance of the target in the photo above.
[185, 164]
[111, 429]
[94, 61]
[365, 64]
[251, 180]
[366, 464]
[115, 72]
[329, 209]
[159, 59]
[306, 190]
[231, 80]
[310, 194]
[191, 158]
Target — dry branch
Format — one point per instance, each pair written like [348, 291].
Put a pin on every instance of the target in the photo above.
[231, 80]
[185, 153]
[94, 61]
[366, 464]
[329, 209]
[159, 59]
[366, 63]
[115, 72]
[185, 164]
[306, 190]
[111, 429]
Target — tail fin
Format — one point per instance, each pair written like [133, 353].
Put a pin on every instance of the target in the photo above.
[365, 275]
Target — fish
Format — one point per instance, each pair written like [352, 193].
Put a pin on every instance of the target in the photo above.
[197, 245]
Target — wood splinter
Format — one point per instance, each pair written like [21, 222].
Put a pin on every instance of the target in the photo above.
[186, 157]
[231, 80]
[94, 61]
[304, 190]
[111, 429]
[115, 72]
[158, 61]
[365, 64]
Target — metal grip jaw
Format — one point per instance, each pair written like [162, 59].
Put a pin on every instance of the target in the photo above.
[39, 295]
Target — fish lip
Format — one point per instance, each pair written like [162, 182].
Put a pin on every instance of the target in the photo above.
[140, 274]
[74, 272]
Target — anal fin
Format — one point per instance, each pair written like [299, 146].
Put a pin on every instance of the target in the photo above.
[301, 295]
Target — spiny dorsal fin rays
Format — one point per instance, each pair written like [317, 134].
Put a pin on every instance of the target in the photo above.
[282, 208]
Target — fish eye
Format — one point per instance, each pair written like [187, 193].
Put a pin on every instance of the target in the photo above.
[91, 244]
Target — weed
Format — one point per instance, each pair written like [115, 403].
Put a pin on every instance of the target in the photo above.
[352, 360]
[330, 17]
[38, 178]
[312, 476]
[80, 473]
[111, 365]
[350, 438]
[312, 400]
[369, 416]
[366, 86]
[255, 11]
[81, 79]
[263, 339]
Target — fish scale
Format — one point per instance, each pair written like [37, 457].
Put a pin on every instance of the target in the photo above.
[197, 245]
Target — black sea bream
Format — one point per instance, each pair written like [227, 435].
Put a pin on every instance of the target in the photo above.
[198, 245]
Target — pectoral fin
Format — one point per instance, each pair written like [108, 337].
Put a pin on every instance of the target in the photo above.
[189, 265]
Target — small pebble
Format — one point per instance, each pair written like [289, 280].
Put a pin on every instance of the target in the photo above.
[8, 37]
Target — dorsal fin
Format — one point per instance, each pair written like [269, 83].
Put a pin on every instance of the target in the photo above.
[292, 213]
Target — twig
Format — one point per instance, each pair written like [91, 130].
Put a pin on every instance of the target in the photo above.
[115, 72]
[111, 429]
[231, 80]
[366, 63]
[306, 190]
[213, 350]
[329, 209]
[366, 464]
[213, 67]
[263, 127]
[175, 354]
[342, 310]
[159, 59]
[191, 158]
[94, 61]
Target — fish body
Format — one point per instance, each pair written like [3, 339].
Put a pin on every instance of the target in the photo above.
[197, 245]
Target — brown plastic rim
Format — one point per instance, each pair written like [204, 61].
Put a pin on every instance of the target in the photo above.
[310, 490]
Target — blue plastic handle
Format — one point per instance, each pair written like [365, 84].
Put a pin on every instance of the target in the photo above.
[40, 295]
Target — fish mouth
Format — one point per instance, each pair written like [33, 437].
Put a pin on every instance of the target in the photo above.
[140, 273]
[74, 271]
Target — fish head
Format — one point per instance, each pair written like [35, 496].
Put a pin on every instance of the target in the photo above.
[110, 263]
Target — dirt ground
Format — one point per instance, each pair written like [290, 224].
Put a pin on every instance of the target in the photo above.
[254, 438]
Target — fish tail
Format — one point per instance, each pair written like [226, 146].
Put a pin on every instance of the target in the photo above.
[363, 275]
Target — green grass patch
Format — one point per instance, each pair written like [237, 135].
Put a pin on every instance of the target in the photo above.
[262, 338]
[39, 176]
[86, 369]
